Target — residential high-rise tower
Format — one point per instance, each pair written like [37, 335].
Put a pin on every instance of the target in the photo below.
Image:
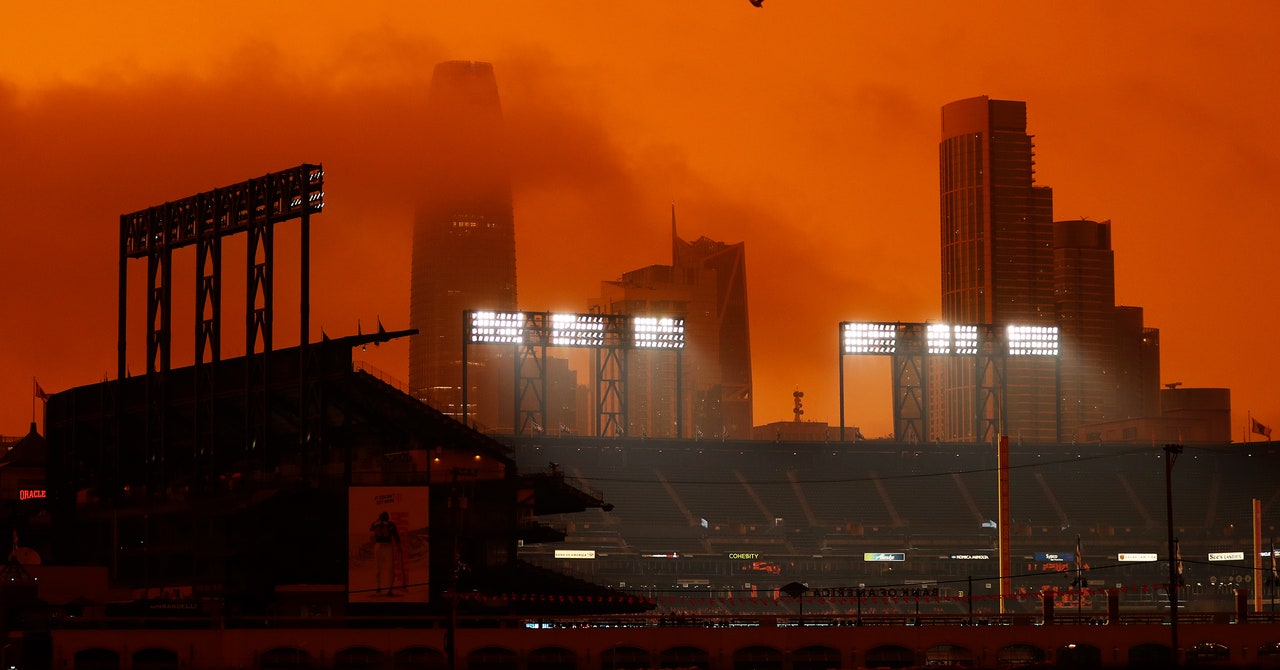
[464, 253]
[997, 266]
[1085, 294]
[1109, 366]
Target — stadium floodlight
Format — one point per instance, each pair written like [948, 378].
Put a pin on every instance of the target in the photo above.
[1033, 340]
[577, 330]
[870, 338]
[938, 337]
[965, 339]
[651, 332]
[496, 328]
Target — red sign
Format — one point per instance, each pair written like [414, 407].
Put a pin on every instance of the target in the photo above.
[28, 494]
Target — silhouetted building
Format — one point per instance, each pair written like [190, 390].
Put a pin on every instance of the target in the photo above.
[1085, 295]
[794, 431]
[1211, 407]
[725, 410]
[1005, 262]
[568, 405]
[706, 284]
[464, 252]
[23, 492]
[1138, 354]
[269, 507]
[997, 262]
[1109, 365]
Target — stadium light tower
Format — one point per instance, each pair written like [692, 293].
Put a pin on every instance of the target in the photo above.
[203, 221]
[912, 346]
[611, 336]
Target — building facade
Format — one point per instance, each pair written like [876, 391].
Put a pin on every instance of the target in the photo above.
[1085, 295]
[464, 253]
[997, 265]
[1004, 262]
[706, 284]
[1109, 363]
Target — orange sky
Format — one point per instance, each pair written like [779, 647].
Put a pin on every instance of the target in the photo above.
[807, 129]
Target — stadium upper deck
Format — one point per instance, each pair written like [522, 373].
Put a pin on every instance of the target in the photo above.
[732, 515]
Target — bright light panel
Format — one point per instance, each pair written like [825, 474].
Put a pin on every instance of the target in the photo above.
[651, 332]
[1033, 340]
[938, 337]
[870, 338]
[497, 327]
[577, 330]
[966, 340]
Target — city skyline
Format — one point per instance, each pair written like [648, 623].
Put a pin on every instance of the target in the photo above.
[1155, 121]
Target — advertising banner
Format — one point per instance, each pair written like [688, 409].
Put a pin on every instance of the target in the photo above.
[388, 557]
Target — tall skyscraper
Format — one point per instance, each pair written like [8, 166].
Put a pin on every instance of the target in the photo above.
[706, 284]
[1109, 366]
[464, 252]
[725, 408]
[1089, 330]
[997, 265]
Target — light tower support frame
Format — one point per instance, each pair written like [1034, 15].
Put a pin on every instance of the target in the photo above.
[203, 220]
[912, 346]
[611, 336]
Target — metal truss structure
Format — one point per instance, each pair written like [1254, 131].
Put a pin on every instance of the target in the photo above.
[913, 346]
[252, 207]
[611, 336]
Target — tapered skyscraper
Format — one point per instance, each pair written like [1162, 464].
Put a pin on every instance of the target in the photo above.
[464, 250]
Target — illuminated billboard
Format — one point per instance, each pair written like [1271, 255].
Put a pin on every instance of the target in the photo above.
[575, 553]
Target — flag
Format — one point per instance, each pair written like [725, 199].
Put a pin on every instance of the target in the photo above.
[1258, 427]
[1177, 547]
[39, 391]
[1079, 581]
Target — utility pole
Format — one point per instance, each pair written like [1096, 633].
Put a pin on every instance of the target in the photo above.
[1171, 455]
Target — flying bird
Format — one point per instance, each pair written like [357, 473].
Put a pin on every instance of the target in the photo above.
[756, 3]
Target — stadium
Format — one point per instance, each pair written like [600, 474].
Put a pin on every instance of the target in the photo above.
[720, 527]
